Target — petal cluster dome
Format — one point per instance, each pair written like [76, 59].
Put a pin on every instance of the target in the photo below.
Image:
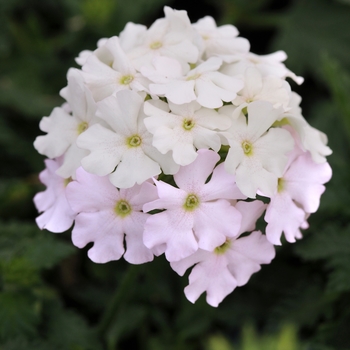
[167, 136]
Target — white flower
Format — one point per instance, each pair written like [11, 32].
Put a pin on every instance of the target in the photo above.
[267, 64]
[103, 80]
[124, 151]
[63, 129]
[257, 154]
[270, 88]
[220, 41]
[188, 127]
[205, 83]
[170, 36]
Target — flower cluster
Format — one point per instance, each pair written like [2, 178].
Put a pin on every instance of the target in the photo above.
[167, 137]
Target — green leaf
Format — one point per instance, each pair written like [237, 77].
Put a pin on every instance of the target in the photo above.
[66, 330]
[338, 80]
[332, 244]
[42, 249]
[312, 28]
[18, 315]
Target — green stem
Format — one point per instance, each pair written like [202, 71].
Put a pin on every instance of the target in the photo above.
[119, 297]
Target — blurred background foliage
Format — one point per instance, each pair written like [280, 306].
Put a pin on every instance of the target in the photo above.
[53, 297]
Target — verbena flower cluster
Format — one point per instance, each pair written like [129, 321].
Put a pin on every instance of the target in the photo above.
[167, 137]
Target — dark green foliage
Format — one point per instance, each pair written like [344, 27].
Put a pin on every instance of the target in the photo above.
[53, 297]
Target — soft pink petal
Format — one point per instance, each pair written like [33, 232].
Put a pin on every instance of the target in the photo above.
[221, 185]
[105, 230]
[246, 254]
[304, 181]
[58, 218]
[251, 212]
[191, 177]
[214, 221]
[174, 228]
[90, 193]
[169, 197]
[212, 277]
[282, 214]
[136, 251]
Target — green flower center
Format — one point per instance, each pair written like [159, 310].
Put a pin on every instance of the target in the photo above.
[134, 141]
[126, 79]
[223, 248]
[193, 77]
[245, 111]
[280, 185]
[156, 45]
[122, 208]
[247, 148]
[82, 127]
[282, 122]
[191, 202]
[188, 124]
[67, 181]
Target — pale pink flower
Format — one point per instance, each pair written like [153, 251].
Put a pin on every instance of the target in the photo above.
[298, 195]
[105, 215]
[198, 214]
[57, 215]
[220, 271]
